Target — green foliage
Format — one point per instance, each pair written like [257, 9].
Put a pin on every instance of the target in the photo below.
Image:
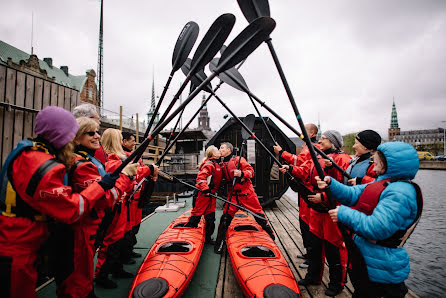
[349, 141]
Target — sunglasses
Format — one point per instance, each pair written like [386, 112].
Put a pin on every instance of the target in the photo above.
[92, 133]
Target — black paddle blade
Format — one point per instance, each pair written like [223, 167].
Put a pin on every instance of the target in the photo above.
[212, 41]
[232, 76]
[184, 44]
[197, 78]
[246, 42]
[249, 121]
[253, 9]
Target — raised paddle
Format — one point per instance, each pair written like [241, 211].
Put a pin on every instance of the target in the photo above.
[233, 78]
[239, 49]
[206, 50]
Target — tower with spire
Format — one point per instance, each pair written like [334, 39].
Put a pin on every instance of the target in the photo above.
[203, 118]
[394, 127]
[151, 112]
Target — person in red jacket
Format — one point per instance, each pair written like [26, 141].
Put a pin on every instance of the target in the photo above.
[35, 191]
[90, 111]
[208, 181]
[242, 194]
[304, 211]
[113, 225]
[76, 249]
[326, 238]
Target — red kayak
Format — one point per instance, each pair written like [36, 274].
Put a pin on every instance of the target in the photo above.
[168, 268]
[258, 264]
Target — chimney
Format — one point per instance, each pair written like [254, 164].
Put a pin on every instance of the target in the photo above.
[64, 69]
[49, 61]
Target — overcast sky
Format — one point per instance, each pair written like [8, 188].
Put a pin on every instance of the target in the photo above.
[344, 60]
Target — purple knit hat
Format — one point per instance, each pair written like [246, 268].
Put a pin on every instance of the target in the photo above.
[56, 125]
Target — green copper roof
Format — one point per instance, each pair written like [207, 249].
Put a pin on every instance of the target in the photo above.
[16, 55]
[394, 120]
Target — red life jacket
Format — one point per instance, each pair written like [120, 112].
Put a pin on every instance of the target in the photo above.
[368, 201]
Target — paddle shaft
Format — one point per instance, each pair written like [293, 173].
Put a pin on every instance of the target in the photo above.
[263, 120]
[235, 178]
[217, 197]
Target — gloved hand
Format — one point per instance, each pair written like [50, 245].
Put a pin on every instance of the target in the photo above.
[108, 181]
[130, 169]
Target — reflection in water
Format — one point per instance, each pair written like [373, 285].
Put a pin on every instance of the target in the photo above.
[427, 244]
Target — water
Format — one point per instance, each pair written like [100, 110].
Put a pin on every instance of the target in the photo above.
[427, 245]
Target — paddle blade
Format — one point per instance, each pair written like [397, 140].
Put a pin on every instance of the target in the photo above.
[223, 48]
[253, 9]
[232, 76]
[197, 78]
[249, 121]
[212, 41]
[185, 42]
[246, 42]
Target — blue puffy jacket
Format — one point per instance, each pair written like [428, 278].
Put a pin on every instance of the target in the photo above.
[396, 210]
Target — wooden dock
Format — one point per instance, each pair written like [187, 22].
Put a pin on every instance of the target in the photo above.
[285, 221]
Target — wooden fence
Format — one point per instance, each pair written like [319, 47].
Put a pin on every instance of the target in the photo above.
[22, 96]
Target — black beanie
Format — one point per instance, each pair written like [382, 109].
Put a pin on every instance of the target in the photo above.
[369, 139]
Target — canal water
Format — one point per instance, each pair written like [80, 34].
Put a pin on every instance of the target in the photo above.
[427, 245]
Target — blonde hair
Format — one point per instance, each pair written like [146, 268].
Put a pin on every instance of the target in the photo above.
[85, 125]
[209, 153]
[112, 142]
[66, 155]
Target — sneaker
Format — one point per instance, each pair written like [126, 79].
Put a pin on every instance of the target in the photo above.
[104, 282]
[129, 262]
[135, 255]
[305, 264]
[333, 292]
[302, 256]
[308, 281]
[122, 274]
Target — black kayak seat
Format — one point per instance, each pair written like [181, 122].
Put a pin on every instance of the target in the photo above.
[245, 228]
[274, 291]
[257, 252]
[154, 288]
[175, 246]
[180, 225]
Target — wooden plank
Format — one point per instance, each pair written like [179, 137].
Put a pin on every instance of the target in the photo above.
[29, 103]
[8, 115]
[54, 93]
[231, 288]
[38, 98]
[19, 115]
[67, 99]
[73, 102]
[46, 99]
[61, 96]
[221, 277]
[2, 82]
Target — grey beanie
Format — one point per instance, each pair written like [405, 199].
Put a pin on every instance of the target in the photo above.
[335, 137]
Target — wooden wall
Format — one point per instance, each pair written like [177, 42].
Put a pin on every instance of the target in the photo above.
[22, 96]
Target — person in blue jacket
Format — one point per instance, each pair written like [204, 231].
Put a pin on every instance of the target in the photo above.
[382, 216]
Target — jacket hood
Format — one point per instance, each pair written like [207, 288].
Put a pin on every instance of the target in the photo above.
[402, 160]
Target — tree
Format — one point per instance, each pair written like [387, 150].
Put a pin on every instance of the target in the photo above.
[349, 141]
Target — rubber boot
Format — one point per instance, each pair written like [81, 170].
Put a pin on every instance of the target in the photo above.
[103, 281]
[265, 226]
[335, 285]
[225, 221]
[193, 222]
[316, 257]
[210, 227]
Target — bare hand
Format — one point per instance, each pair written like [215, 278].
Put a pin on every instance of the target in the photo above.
[317, 198]
[130, 169]
[277, 148]
[352, 181]
[156, 170]
[237, 173]
[334, 214]
[284, 169]
[327, 162]
[323, 184]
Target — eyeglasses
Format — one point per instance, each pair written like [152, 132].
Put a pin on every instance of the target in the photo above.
[92, 133]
